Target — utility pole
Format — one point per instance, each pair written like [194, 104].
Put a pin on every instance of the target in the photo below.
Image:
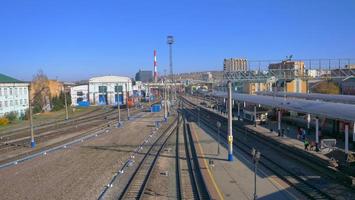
[170, 41]
[230, 133]
[256, 157]
[118, 108]
[33, 143]
[127, 93]
[66, 105]
[165, 105]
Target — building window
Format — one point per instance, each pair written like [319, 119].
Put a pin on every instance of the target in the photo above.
[16, 102]
[5, 91]
[6, 104]
[25, 91]
[21, 102]
[0, 105]
[118, 88]
[80, 93]
[20, 91]
[10, 91]
[102, 89]
[15, 91]
[11, 103]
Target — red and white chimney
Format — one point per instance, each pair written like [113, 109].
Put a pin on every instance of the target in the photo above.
[155, 67]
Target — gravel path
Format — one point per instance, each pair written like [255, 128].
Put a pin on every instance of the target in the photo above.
[79, 172]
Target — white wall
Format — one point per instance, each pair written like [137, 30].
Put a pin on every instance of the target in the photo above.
[13, 97]
[84, 89]
[110, 82]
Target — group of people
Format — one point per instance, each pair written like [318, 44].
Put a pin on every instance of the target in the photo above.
[308, 144]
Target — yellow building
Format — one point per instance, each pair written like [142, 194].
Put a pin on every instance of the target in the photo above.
[252, 88]
[297, 85]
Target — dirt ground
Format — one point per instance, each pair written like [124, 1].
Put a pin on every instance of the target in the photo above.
[78, 172]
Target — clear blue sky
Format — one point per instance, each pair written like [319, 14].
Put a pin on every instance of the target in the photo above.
[77, 39]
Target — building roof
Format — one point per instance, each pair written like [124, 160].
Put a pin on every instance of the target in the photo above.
[8, 79]
[319, 108]
[350, 99]
[109, 79]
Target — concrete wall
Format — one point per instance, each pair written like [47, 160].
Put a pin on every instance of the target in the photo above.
[13, 98]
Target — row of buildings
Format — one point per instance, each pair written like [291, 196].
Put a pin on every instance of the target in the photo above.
[15, 95]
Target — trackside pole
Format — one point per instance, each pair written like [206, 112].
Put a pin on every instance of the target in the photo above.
[346, 139]
[230, 134]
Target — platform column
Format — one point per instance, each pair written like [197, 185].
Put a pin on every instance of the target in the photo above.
[254, 115]
[354, 132]
[308, 121]
[317, 133]
[346, 139]
[238, 110]
[279, 120]
[230, 134]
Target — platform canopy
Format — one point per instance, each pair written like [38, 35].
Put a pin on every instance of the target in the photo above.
[330, 110]
[349, 99]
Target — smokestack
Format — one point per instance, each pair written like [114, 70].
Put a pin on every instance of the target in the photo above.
[155, 67]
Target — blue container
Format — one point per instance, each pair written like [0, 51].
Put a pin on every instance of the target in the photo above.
[83, 104]
[155, 108]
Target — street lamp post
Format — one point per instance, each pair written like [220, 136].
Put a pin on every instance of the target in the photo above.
[33, 142]
[256, 157]
[218, 127]
[165, 105]
[170, 41]
[66, 105]
[127, 93]
[118, 108]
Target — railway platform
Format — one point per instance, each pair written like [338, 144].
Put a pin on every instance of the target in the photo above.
[329, 159]
[235, 180]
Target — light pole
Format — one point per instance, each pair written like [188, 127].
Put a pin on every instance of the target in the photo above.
[170, 41]
[230, 134]
[218, 127]
[118, 108]
[256, 157]
[127, 93]
[33, 143]
[165, 105]
[66, 105]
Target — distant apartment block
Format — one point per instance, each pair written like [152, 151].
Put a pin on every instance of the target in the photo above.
[288, 68]
[13, 96]
[235, 64]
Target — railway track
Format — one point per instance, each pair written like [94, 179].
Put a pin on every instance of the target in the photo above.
[68, 133]
[138, 181]
[5, 135]
[191, 184]
[292, 176]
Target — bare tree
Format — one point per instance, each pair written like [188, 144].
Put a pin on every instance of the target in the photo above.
[40, 93]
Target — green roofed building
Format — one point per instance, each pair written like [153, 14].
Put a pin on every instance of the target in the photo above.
[13, 95]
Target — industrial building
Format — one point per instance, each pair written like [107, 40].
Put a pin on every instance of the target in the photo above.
[235, 64]
[79, 94]
[288, 68]
[108, 90]
[144, 76]
[13, 96]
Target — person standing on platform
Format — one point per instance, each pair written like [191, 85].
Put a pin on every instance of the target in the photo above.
[306, 144]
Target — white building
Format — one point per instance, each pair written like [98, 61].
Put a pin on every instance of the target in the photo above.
[13, 96]
[103, 90]
[79, 93]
